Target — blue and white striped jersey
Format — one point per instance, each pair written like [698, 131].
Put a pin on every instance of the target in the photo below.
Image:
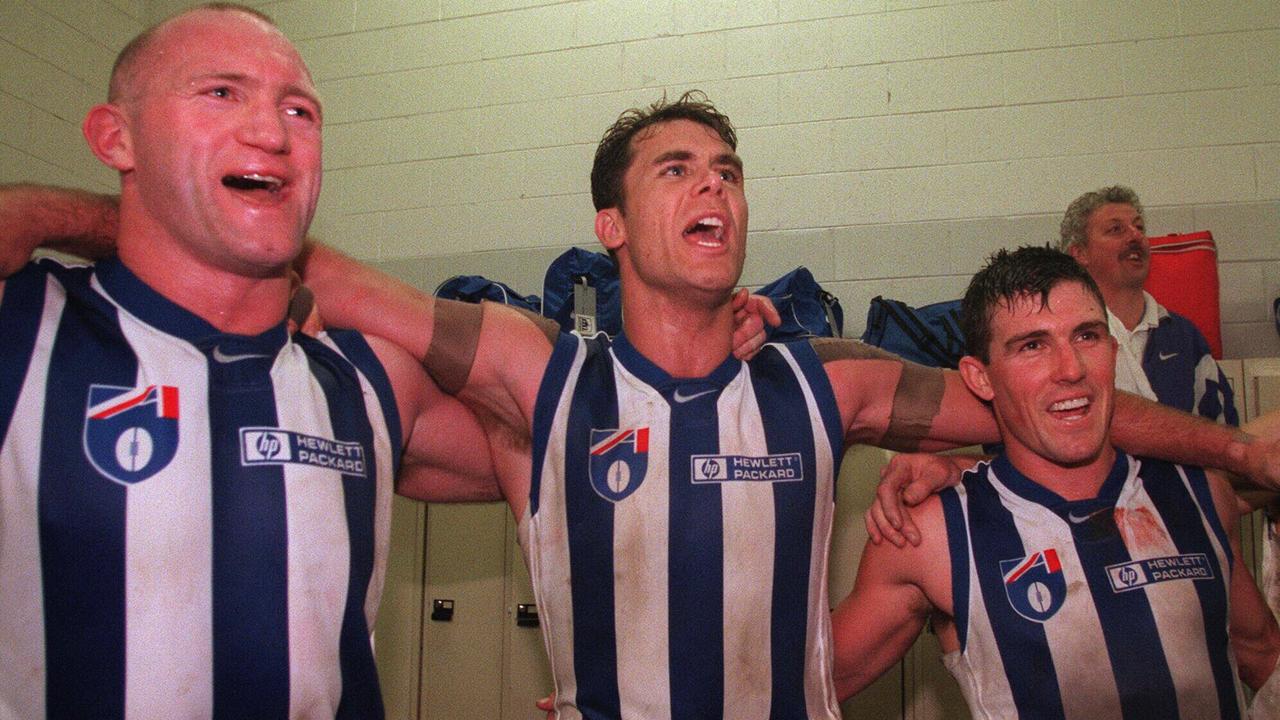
[677, 534]
[192, 524]
[1112, 607]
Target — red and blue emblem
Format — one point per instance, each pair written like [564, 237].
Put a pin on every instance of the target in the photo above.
[619, 459]
[1035, 585]
[131, 434]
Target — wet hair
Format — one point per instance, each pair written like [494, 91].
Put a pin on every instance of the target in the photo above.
[1009, 276]
[613, 155]
[1076, 219]
[124, 73]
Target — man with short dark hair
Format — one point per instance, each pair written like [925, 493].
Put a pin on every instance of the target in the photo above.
[194, 506]
[1063, 579]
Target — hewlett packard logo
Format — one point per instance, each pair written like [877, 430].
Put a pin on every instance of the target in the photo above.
[782, 467]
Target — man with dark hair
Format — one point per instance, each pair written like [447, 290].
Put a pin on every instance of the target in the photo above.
[1062, 579]
[194, 506]
[613, 154]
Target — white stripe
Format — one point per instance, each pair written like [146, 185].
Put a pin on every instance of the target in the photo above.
[168, 566]
[318, 546]
[640, 556]
[749, 551]
[22, 681]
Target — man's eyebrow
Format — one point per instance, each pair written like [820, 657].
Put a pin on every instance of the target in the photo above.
[1030, 335]
[730, 159]
[1094, 325]
[670, 155]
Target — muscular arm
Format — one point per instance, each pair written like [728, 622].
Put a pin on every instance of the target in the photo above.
[875, 626]
[1255, 637]
[66, 220]
[446, 453]
[892, 403]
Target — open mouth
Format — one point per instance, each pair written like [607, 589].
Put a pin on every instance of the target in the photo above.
[707, 231]
[1075, 407]
[1135, 253]
[253, 183]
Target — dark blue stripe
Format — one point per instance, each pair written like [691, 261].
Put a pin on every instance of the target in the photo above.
[788, 428]
[21, 304]
[1182, 518]
[357, 350]
[695, 563]
[1024, 649]
[250, 537]
[361, 696]
[544, 409]
[958, 549]
[590, 528]
[1128, 624]
[82, 525]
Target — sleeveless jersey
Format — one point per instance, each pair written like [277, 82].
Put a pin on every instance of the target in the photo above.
[677, 534]
[192, 524]
[1107, 608]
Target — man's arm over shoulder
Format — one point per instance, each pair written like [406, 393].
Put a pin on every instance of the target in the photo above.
[491, 356]
[896, 590]
[1142, 427]
[66, 220]
[893, 403]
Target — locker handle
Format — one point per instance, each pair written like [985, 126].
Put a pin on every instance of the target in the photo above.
[526, 615]
[442, 610]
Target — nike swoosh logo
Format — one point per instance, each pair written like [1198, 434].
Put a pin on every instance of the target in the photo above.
[219, 356]
[682, 398]
[1077, 519]
[1166, 356]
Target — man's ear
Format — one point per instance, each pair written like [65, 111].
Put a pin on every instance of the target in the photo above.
[974, 373]
[107, 131]
[1076, 250]
[609, 228]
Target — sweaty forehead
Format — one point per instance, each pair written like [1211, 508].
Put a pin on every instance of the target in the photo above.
[223, 42]
[676, 134]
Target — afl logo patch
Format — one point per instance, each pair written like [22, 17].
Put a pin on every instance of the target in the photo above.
[1035, 585]
[130, 434]
[619, 459]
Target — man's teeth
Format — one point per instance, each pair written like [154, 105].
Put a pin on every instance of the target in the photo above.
[1069, 404]
[253, 181]
[712, 225]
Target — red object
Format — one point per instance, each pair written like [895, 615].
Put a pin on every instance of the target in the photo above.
[1184, 278]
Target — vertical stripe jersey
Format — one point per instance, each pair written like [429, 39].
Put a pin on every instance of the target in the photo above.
[677, 534]
[1106, 608]
[192, 524]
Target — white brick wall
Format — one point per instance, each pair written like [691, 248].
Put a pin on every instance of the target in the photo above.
[889, 144]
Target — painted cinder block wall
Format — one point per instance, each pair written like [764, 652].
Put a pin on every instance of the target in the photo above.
[889, 144]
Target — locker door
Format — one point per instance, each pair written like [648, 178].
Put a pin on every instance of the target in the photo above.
[397, 637]
[526, 671]
[462, 656]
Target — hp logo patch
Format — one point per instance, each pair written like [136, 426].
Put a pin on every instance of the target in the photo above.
[710, 469]
[258, 445]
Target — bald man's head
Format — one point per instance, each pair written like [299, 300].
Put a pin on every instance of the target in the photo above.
[128, 73]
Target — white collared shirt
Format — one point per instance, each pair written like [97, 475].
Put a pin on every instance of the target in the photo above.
[1130, 376]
